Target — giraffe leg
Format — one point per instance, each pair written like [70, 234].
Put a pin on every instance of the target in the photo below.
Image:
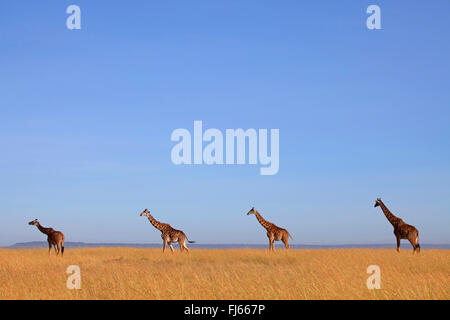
[398, 244]
[413, 245]
[164, 245]
[185, 246]
[416, 243]
[286, 243]
[417, 247]
[271, 246]
[171, 247]
[49, 247]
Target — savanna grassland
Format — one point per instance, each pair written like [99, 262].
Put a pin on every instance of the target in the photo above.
[129, 273]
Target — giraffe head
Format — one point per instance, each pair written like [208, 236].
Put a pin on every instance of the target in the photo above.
[145, 213]
[377, 203]
[35, 222]
[252, 211]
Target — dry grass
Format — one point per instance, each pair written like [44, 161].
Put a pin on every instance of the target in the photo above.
[128, 273]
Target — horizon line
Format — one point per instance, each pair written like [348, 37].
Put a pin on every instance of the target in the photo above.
[131, 244]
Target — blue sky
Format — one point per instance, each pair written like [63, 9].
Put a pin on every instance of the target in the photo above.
[86, 118]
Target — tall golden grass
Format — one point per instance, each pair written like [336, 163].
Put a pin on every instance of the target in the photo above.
[129, 273]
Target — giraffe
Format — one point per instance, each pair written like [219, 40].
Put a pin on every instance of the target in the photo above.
[168, 234]
[274, 233]
[401, 229]
[54, 238]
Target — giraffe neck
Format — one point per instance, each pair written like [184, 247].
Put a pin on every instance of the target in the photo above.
[266, 224]
[158, 225]
[42, 229]
[392, 219]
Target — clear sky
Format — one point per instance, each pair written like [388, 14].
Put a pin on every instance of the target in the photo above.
[87, 115]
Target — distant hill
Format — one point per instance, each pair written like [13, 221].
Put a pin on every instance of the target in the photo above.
[44, 244]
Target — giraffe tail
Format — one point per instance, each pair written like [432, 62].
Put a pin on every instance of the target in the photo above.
[189, 240]
[62, 247]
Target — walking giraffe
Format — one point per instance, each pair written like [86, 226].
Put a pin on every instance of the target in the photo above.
[54, 238]
[274, 233]
[168, 234]
[401, 229]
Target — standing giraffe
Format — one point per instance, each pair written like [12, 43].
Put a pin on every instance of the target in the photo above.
[274, 233]
[168, 234]
[54, 238]
[401, 229]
